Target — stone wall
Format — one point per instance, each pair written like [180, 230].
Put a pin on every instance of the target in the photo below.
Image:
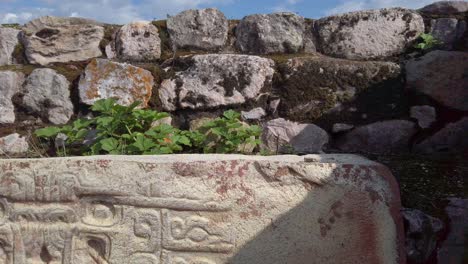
[345, 83]
[199, 209]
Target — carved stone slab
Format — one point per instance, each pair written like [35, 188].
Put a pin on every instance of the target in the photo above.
[199, 209]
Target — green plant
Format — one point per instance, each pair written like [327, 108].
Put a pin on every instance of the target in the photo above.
[119, 129]
[227, 134]
[426, 42]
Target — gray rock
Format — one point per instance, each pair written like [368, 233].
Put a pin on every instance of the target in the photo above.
[451, 138]
[204, 29]
[254, 114]
[446, 8]
[103, 79]
[339, 128]
[379, 138]
[8, 42]
[13, 144]
[271, 33]
[371, 34]
[110, 51]
[442, 76]
[422, 232]
[453, 249]
[425, 114]
[448, 31]
[47, 93]
[216, 80]
[310, 41]
[138, 41]
[59, 39]
[10, 84]
[283, 136]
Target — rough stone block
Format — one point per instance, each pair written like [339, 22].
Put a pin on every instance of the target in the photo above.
[199, 209]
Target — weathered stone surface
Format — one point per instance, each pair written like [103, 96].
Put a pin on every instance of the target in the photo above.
[8, 42]
[442, 76]
[339, 128]
[47, 94]
[216, 80]
[205, 29]
[379, 138]
[316, 85]
[59, 39]
[448, 31]
[446, 7]
[283, 136]
[451, 138]
[310, 40]
[424, 114]
[105, 79]
[12, 144]
[138, 41]
[200, 209]
[422, 232]
[254, 114]
[10, 84]
[271, 33]
[369, 34]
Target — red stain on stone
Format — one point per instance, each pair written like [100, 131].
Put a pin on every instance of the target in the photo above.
[103, 163]
[374, 195]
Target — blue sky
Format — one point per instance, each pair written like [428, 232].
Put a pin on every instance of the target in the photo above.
[123, 11]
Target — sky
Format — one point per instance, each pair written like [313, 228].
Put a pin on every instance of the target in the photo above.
[124, 11]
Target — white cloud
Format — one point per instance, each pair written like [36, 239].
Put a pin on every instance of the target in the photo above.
[15, 18]
[354, 5]
[285, 6]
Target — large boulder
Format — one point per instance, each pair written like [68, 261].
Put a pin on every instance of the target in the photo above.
[10, 84]
[317, 86]
[422, 233]
[198, 209]
[13, 144]
[202, 29]
[446, 8]
[216, 80]
[384, 137]
[138, 41]
[8, 42]
[47, 94]
[271, 33]
[103, 79]
[371, 34]
[442, 76]
[452, 138]
[283, 136]
[59, 39]
[448, 31]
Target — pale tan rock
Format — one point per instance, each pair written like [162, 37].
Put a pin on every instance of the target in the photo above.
[10, 84]
[12, 144]
[200, 209]
[105, 79]
[8, 42]
[61, 39]
[138, 41]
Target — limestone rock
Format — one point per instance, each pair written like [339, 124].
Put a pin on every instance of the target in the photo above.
[59, 39]
[201, 209]
[371, 34]
[448, 31]
[310, 40]
[8, 42]
[379, 138]
[254, 114]
[13, 144]
[339, 128]
[283, 136]
[446, 8]
[47, 93]
[202, 29]
[442, 76]
[105, 79]
[216, 80]
[451, 138]
[138, 41]
[425, 114]
[10, 84]
[453, 249]
[316, 85]
[422, 232]
[271, 33]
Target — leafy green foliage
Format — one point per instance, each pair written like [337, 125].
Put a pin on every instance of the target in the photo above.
[228, 134]
[427, 42]
[118, 129]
